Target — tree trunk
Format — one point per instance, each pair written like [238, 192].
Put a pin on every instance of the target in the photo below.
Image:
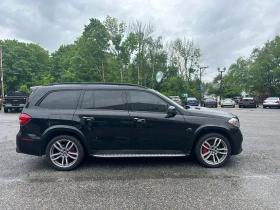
[103, 74]
[121, 71]
[153, 73]
[139, 60]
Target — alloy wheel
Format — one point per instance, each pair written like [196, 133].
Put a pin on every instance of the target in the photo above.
[213, 151]
[64, 153]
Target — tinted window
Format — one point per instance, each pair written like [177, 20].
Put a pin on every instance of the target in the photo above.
[143, 101]
[87, 100]
[61, 100]
[108, 99]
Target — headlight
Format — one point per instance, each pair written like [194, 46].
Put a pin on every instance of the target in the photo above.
[234, 122]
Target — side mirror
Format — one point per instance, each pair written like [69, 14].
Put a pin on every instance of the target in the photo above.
[171, 111]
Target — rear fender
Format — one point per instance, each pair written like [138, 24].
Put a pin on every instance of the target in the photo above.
[56, 130]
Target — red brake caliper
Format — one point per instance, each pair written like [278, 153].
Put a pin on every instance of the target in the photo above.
[204, 150]
[74, 151]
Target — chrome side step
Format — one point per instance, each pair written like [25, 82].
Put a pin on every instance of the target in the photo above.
[137, 155]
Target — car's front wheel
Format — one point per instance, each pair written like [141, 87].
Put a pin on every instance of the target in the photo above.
[64, 153]
[213, 150]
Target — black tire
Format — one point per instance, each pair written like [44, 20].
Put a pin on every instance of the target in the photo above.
[264, 107]
[6, 110]
[80, 151]
[201, 141]
[222, 106]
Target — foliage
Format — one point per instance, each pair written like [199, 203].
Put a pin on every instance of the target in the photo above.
[258, 75]
[108, 51]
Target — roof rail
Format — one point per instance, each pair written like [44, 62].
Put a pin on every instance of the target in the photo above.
[93, 83]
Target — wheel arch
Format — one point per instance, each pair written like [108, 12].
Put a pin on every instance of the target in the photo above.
[210, 129]
[54, 131]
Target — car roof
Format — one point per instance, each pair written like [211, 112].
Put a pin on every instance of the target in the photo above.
[89, 85]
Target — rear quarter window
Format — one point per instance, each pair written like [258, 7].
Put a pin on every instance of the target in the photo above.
[66, 99]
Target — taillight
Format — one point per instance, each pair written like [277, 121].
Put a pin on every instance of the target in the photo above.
[277, 102]
[252, 101]
[264, 101]
[24, 119]
[3, 100]
[26, 99]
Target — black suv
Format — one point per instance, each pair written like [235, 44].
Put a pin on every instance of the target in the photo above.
[67, 121]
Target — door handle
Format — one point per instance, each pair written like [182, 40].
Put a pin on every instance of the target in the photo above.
[139, 120]
[88, 118]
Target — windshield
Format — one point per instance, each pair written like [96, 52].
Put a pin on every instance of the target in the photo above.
[191, 98]
[210, 99]
[166, 98]
[227, 99]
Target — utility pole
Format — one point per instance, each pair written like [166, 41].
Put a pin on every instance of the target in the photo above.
[200, 87]
[1, 72]
[221, 71]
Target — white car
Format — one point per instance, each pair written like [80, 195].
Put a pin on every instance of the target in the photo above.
[271, 102]
[227, 102]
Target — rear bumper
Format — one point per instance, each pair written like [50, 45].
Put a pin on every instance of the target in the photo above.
[28, 144]
[248, 105]
[211, 104]
[272, 105]
[10, 106]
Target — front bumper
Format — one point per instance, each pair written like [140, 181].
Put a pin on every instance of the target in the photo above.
[237, 139]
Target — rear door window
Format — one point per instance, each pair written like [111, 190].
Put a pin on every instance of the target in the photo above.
[67, 99]
[108, 99]
[87, 102]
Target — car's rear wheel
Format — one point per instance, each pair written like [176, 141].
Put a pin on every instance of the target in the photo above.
[240, 106]
[6, 110]
[213, 150]
[264, 107]
[64, 153]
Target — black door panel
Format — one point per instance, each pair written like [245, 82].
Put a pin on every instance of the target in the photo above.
[105, 130]
[103, 120]
[153, 131]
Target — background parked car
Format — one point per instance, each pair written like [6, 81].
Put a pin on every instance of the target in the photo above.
[271, 102]
[227, 102]
[248, 102]
[236, 99]
[191, 101]
[209, 102]
[14, 100]
[176, 99]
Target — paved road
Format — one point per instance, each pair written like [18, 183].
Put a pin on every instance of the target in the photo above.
[250, 180]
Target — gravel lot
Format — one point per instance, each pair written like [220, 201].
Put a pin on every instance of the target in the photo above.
[250, 180]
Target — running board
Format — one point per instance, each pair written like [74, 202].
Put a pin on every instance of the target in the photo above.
[137, 155]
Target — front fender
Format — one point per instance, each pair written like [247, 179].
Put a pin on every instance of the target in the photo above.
[209, 129]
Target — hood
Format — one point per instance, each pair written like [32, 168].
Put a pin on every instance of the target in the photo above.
[207, 112]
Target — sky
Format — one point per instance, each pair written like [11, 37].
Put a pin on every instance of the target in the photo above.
[223, 29]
